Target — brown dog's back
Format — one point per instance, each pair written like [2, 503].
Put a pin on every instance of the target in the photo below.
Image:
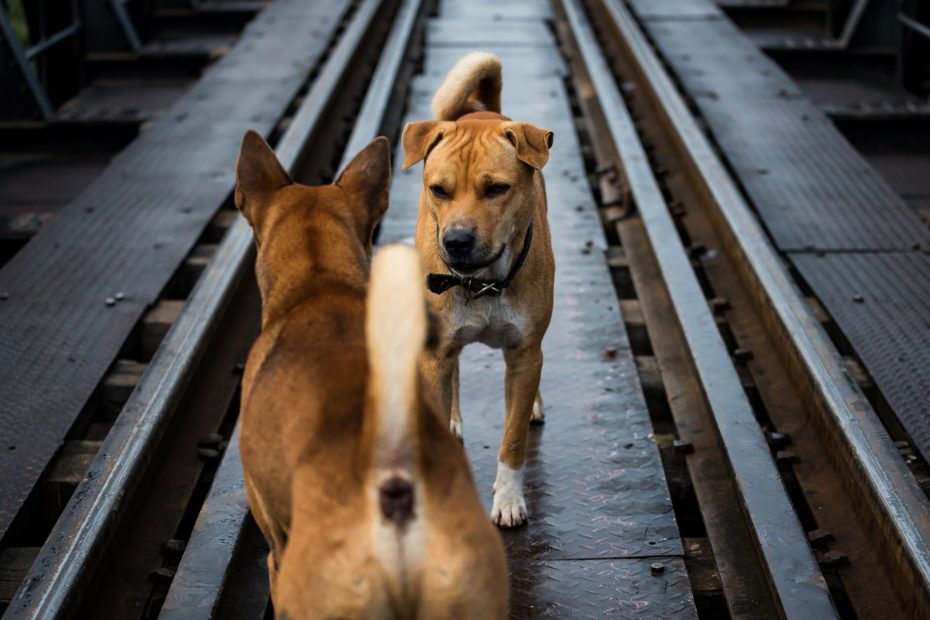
[363, 494]
[391, 525]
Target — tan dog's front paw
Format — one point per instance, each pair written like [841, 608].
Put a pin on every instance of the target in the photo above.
[509, 509]
[456, 427]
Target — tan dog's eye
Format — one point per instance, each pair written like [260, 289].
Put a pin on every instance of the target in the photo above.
[438, 191]
[497, 189]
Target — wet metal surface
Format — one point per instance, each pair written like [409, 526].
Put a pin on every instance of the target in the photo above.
[811, 188]
[859, 294]
[129, 231]
[796, 581]
[223, 571]
[599, 508]
[885, 490]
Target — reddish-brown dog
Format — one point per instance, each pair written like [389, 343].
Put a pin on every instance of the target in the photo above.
[483, 235]
[364, 496]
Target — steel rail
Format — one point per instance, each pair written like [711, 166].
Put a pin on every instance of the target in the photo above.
[793, 573]
[199, 581]
[72, 549]
[861, 447]
[205, 566]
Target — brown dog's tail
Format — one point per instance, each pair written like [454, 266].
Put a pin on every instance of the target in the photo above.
[396, 332]
[473, 85]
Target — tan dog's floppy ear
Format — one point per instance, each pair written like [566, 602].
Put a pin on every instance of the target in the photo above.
[532, 142]
[258, 172]
[420, 138]
[367, 179]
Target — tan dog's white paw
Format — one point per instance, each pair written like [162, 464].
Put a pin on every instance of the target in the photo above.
[456, 427]
[539, 415]
[509, 508]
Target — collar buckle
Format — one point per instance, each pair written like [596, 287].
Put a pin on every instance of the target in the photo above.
[440, 283]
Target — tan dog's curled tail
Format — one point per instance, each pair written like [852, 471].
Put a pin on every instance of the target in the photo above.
[473, 85]
[396, 332]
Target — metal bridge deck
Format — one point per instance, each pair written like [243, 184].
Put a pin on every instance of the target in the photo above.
[859, 246]
[127, 233]
[600, 512]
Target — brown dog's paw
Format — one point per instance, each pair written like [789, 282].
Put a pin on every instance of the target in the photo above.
[508, 511]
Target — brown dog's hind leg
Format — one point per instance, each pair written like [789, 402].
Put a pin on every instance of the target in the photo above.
[521, 389]
[272, 577]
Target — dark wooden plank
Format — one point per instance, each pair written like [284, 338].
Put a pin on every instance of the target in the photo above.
[128, 232]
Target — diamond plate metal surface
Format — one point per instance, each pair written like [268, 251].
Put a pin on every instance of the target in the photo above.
[599, 507]
[812, 190]
[614, 588]
[127, 232]
[881, 302]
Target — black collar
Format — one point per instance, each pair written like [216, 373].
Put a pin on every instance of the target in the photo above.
[439, 283]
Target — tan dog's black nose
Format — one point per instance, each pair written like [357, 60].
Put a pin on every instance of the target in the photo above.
[458, 242]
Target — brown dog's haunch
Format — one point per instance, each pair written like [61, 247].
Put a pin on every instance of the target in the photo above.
[366, 500]
[482, 230]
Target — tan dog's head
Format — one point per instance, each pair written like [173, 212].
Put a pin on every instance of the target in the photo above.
[293, 223]
[479, 181]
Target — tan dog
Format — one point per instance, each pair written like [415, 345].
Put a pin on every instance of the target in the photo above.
[364, 496]
[483, 236]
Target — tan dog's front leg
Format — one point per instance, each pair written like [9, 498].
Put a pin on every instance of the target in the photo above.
[521, 389]
[441, 369]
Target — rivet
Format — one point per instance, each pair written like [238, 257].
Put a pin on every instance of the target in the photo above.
[719, 304]
[819, 536]
[208, 454]
[742, 355]
[210, 440]
[777, 440]
[173, 547]
[833, 559]
[161, 575]
[682, 446]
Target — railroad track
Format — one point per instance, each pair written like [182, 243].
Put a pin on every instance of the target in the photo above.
[707, 452]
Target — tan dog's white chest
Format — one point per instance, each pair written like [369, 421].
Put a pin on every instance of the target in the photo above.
[493, 321]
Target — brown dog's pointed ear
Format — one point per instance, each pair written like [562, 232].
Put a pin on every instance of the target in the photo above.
[420, 138]
[258, 172]
[367, 178]
[532, 143]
